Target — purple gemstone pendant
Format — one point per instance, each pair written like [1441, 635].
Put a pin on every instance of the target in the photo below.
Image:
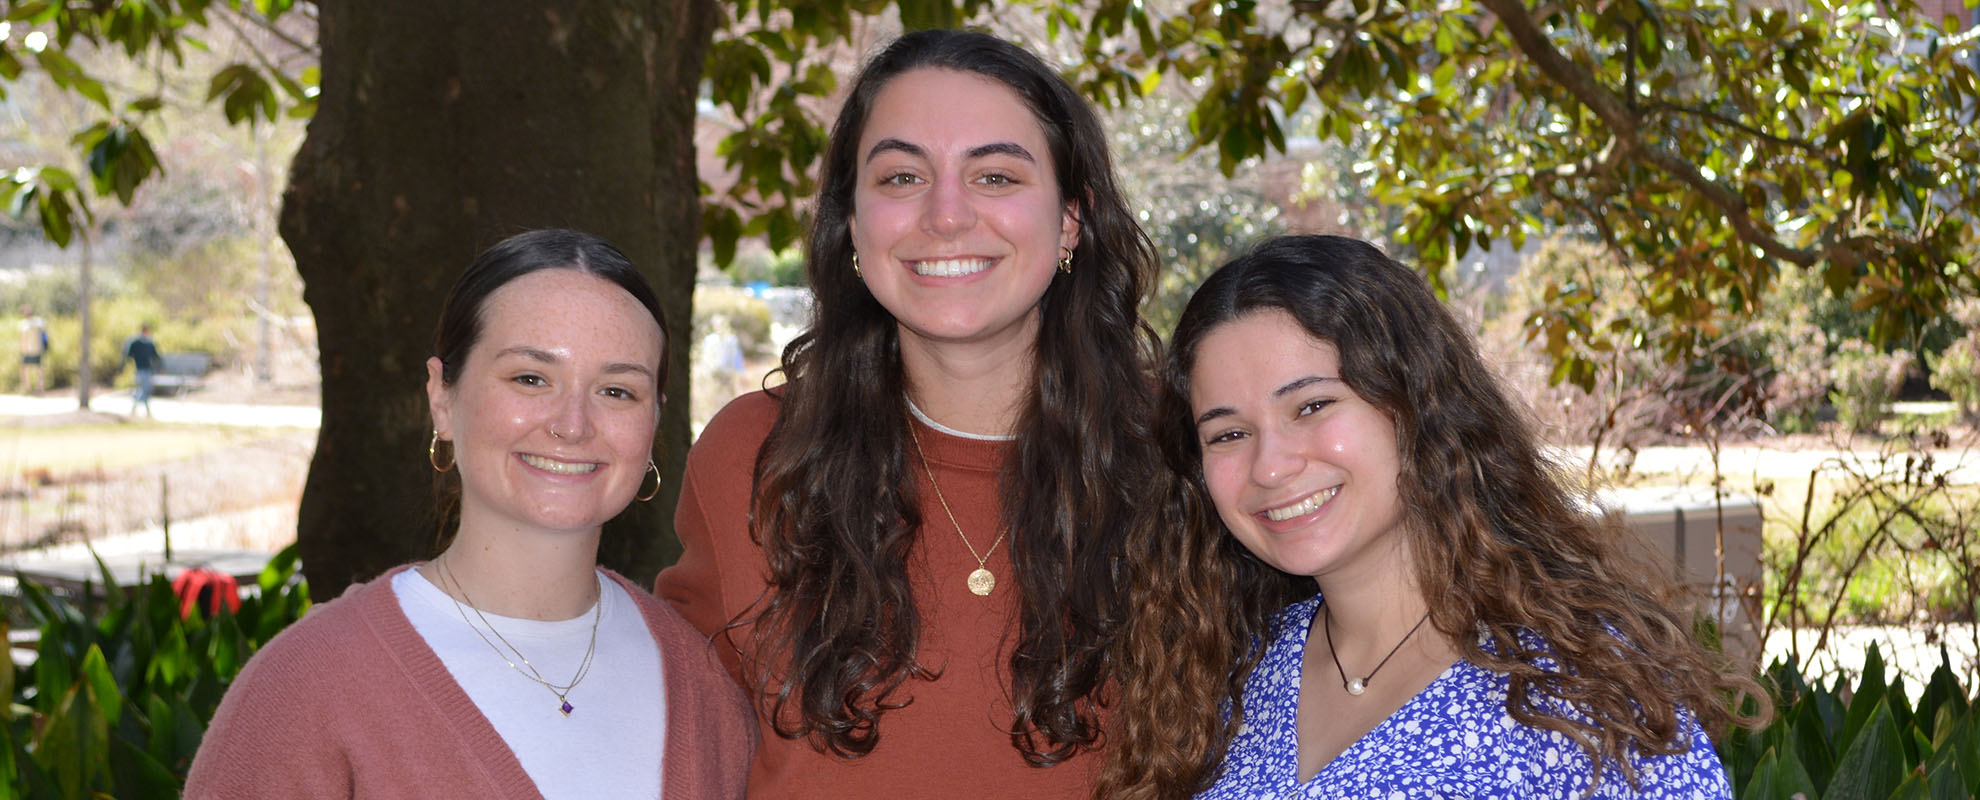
[567, 708]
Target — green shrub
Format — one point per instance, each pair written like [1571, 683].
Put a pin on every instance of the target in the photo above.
[1882, 545]
[113, 324]
[747, 316]
[206, 298]
[1956, 371]
[1866, 742]
[754, 265]
[1800, 380]
[120, 694]
[1866, 379]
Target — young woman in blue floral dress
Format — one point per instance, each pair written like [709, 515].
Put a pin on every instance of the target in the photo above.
[1476, 633]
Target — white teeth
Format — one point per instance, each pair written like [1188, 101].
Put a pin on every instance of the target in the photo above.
[951, 267]
[559, 467]
[1306, 506]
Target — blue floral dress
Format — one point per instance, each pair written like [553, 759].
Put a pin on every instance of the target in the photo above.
[1452, 740]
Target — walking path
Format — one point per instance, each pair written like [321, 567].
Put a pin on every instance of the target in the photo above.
[168, 409]
[1962, 466]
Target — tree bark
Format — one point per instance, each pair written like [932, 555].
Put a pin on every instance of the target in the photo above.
[443, 127]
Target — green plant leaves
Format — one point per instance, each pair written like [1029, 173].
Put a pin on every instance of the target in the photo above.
[124, 686]
[115, 147]
[1779, 774]
[1714, 145]
[74, 742]
[244, 92]
[52, 195]
[1874, 764]
[1887, 747]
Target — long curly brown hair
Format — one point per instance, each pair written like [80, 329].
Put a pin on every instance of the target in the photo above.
[835, 637]
[1499, 541]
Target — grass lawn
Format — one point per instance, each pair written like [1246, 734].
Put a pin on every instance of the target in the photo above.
[57, 450]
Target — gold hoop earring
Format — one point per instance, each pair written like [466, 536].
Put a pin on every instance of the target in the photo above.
[1065, 261]
[856, 272]
[433, 455]
[655, 469]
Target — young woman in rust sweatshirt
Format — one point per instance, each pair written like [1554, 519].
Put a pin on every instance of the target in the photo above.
[905, 551]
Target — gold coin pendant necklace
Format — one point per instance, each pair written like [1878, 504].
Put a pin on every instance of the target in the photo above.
[981, 581]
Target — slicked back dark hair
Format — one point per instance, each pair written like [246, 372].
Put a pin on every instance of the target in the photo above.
[464, 313]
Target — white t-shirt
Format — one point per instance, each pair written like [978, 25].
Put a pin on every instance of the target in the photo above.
[611, 743]
[31, 332]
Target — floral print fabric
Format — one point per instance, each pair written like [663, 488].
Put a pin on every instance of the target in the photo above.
[1453, 740]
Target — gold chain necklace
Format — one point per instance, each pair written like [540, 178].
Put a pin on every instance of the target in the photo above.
[527, 669]
[981, 581]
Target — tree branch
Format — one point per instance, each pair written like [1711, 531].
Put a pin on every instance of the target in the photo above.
[272, 29]
[1628, 129]
[1716, 117]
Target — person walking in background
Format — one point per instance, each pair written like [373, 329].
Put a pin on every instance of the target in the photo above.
[34, 347]
[141, 353]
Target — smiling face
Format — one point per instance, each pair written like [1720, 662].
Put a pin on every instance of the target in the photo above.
[1303, 471]
[552, 417]
[957, 216]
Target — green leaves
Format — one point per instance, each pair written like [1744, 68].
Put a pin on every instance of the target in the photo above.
[73, 744]
[1713, 143]
[115, 148]
[120, 158]
[769, 67]
[1874, 764]
[1888, 748]
[66, 74]
[51, 194]
[244, 92]
[1779, 774]
[123, 688]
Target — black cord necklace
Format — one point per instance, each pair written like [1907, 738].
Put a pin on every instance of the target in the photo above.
[1358, 685]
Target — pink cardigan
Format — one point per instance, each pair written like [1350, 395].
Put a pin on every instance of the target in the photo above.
[350, 702]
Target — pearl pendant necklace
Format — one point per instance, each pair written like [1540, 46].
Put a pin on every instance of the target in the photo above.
[1356, 686]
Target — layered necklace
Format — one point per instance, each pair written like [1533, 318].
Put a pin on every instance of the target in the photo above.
[1358, 685]
[527, 670]
[981, 581]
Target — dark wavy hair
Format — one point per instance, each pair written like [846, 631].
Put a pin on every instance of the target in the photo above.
[461, 315]
[833, 500]
[1499, 541]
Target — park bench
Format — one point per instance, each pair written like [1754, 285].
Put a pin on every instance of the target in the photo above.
[178, 372]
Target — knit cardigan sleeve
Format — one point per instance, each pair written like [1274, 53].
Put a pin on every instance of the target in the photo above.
[350, 701]
[711, 730]
[267, 738]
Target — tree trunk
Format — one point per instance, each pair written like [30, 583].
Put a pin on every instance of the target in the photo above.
[444, 126]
